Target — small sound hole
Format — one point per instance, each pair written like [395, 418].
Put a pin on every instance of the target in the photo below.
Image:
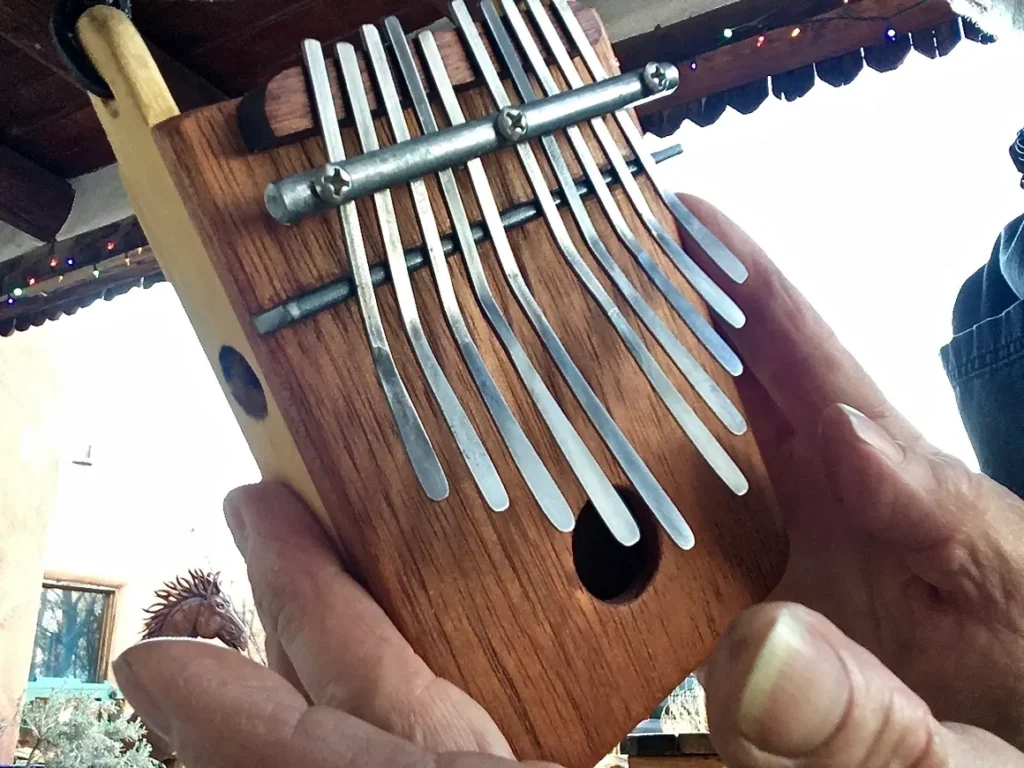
[243, 383]
[609, 571]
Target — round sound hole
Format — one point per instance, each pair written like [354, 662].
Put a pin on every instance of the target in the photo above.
[243, 383]
[609, 571]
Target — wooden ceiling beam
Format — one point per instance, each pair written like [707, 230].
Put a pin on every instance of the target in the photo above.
[31, 198]
[700, 34]
[858, 25]
[25, 24]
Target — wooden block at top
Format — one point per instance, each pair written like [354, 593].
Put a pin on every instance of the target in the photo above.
[278, 112]
[493, 602]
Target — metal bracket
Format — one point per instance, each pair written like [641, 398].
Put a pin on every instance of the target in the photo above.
[63, 20]
[302, 307]
[291, 200]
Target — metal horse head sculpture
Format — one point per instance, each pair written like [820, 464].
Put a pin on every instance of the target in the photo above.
[196, 607]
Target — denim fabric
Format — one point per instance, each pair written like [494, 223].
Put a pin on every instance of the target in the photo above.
[985, 360]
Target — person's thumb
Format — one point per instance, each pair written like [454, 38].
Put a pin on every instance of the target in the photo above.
[786, 688]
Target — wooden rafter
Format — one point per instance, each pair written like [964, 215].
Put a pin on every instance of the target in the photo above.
[26, 26]
[54, 259]
[59, 278]
[703, 33]
[31, 198]
[850, 28]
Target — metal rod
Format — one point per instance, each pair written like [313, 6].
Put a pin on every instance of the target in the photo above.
[706, 386]
[704, 237]
[410, 428]
[340, 291]
[633, 465]
[537, 476]
[479, 462]
[695, 321]
[705, 442]
[292, 199]
[607, 500]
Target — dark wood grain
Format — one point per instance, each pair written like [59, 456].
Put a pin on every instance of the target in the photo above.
[79, 288]
[821, 38]
[69, 143]
[278, 112]
[25, 24]
[700, 34]
[492, 602]
[31, 198]
[85, 249]
[239, 43]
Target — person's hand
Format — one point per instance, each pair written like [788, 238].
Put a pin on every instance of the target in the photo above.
[344, 689]
[917, 562]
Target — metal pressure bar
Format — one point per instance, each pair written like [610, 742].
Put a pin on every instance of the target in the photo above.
[338, 292]
[320, 189]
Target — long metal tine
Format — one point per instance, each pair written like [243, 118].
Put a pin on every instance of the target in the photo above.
[704, 237]
[697, 323]
[538, 478]
[643, 480]
[414, 437]
[473, 451]
[717, 400]
[715, 297]
[688, 420]
[595, 482]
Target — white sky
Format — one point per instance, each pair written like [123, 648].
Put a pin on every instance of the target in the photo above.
[877, 201]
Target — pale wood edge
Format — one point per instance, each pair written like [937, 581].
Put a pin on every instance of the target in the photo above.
[141, 101]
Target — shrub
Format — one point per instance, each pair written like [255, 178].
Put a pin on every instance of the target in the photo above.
[76, 731]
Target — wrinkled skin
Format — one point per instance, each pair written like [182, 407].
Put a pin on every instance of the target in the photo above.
[209, 615]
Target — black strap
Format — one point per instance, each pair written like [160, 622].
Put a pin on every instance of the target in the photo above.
[62, 28]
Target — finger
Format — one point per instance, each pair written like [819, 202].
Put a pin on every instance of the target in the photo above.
[344, 649]
[959, 527]
[786, 689]
[786, 344]
[221, 710]
[278, 661]
[784, 455]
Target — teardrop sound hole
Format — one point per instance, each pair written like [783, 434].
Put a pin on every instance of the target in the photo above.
[609, 571]
[243, 383]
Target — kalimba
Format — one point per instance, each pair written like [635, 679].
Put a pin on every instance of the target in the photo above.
[440, 280]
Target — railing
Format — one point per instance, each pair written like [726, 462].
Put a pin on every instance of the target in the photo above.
[45, 687]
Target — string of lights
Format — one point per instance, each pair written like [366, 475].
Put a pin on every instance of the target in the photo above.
[758, 29]
[115, 264]
[67, 272]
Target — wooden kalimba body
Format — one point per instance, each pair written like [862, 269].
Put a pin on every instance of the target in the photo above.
[557, 518]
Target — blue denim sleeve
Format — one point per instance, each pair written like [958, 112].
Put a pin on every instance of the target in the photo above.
[985, 360]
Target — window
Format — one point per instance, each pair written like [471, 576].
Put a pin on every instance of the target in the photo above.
[73, 633]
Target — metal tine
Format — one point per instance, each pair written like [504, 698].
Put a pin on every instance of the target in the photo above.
[704, 237]
[697, 323]
[595, 482]
[473, 451]
[643, 480]
[715, 297]
[414, 437]
[717, 400]
[688, 420]
[538, 478]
